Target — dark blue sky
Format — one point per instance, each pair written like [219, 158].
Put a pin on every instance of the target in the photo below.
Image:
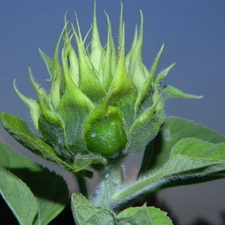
[194, 36]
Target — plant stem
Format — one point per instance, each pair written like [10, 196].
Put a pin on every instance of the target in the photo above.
[111, 177]
[127, 194]
[82, 185]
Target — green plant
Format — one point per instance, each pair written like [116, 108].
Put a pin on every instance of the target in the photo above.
[103, 105]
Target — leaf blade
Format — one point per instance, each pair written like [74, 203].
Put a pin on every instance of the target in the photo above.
[17, 128]
[172, 131]
[42, 183]
[143, 215]
[18, 196]
[87, 214]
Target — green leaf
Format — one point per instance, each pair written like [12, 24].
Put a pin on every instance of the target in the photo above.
[144, 129]
[87, 214]
[173, 130]
[191, 161]
[81, 162]
[50, 124]
[93, 89]
[194, 158]
[52, 130]
[48, 62]
[123, 91]
[108, 60]
[143, 215]
[44, 184]
[145, 94]
[33, 105]
[96, 47]
[135, 68]
[18, 197]
[172, 92]
[73, 108]
[22, 133]
[56, 87]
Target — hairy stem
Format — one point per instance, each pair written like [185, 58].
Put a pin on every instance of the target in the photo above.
[127, 194]
[111, 177]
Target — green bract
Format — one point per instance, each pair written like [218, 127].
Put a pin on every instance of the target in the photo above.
[103, 104]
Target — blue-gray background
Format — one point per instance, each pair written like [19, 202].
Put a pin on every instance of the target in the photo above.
[194, 34]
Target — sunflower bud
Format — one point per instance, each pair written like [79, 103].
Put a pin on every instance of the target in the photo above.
[103, 103]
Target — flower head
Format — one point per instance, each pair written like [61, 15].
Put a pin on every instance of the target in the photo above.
[103, 103]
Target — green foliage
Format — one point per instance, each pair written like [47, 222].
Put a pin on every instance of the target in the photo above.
[87, 214]
[174, 130]
[23, 134]
[18, 197]
[35, 195]
[143, 215]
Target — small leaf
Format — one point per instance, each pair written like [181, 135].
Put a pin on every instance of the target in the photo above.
[48, 62]
[135, 69]
[93, 89]
[73, 65]
[108, 61]
[144, 129]
[52, 130]
[56, 87]
[123, 91]
[79, 199]
[134, 42]
[143, 216]
[86, 214]
[18, 197]
[144, 96]
[96, 47]
[33, 105]
[81, 162]
[163, 74]
[172, 92]
[22, 133]
[50, 124]
[73, 108]
[44, 184]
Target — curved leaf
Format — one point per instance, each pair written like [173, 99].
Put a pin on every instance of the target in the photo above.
[48, 62]
[172, 92]
[143, 215]
[18, 197]
[144, 129]
[173, 130]
[44, 184]
[23, 134]
[87, 214]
